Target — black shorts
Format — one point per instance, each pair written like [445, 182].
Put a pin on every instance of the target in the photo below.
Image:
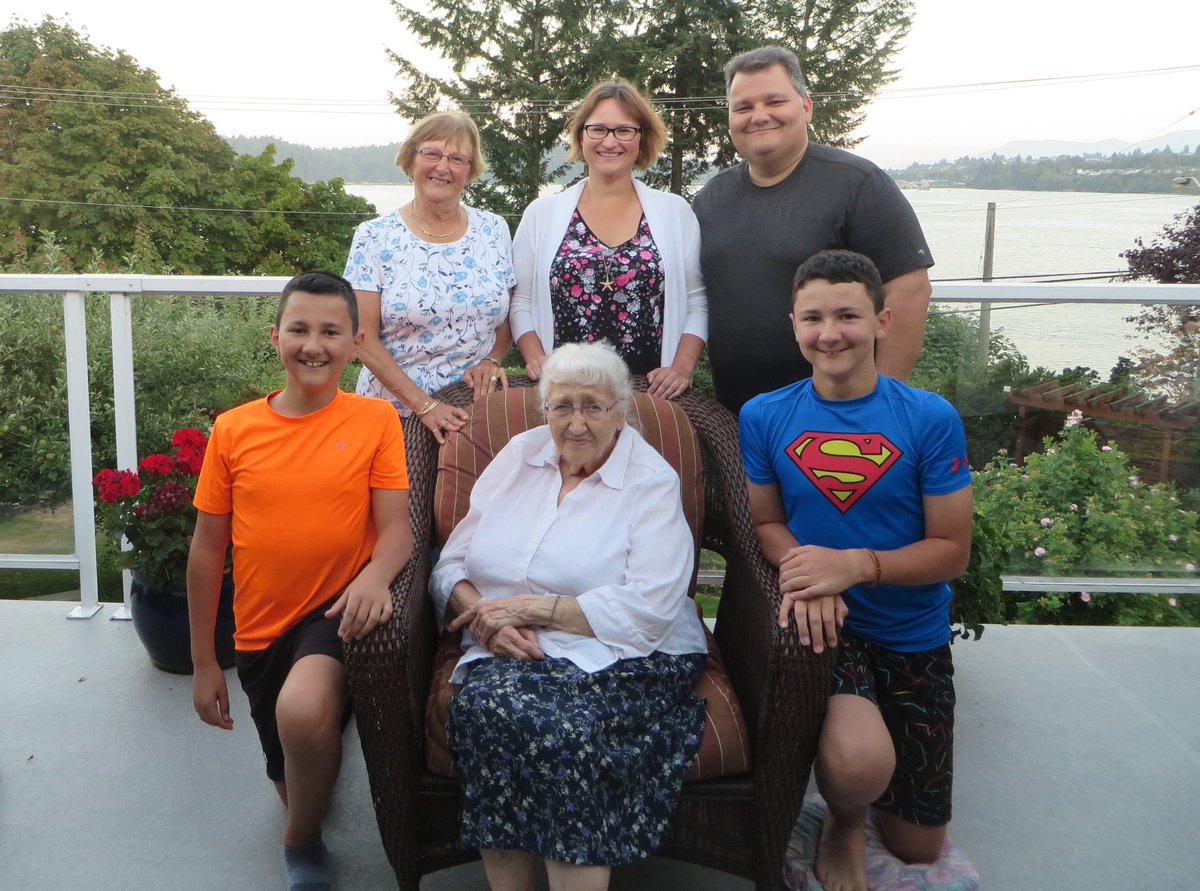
[263, 672]
[915, 695]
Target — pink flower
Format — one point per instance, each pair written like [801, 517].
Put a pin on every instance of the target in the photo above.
[1074, 418]
[1047, 522]
[1190, 567]
[1172, 537]
[1085, 596]
[1074, 506]
[1106, 448]
[1171, 601]
[1039, 552]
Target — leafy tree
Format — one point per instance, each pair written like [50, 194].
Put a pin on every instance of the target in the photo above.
[1172, 257]
[93, 149]
[537, 57]
[516, 65]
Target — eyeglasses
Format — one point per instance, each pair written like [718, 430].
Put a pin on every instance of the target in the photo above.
[454, 159]
[591, 411]
[623, 133]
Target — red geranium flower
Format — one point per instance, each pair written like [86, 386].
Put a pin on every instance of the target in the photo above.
[156, 465]
[189, 438]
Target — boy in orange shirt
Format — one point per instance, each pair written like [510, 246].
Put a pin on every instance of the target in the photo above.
[311, 485]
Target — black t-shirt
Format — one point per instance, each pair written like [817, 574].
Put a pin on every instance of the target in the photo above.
[754, 237]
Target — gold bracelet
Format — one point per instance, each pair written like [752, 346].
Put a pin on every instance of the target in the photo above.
[878, 569]
[429, 406]
[495, 362]
[553, 610]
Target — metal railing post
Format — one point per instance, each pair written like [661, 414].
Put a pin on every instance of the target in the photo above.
[124, 410]
[80, 433]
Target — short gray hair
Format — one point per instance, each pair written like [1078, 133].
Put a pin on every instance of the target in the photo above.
[762, 58]
[587, 365]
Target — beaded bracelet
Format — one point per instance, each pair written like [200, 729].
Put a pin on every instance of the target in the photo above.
[428, 407]
[878, 569]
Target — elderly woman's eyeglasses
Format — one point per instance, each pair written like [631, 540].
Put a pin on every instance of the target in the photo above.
[591, 411]
[454, 159]
[623, 133]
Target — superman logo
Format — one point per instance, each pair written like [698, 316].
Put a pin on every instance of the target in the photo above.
[843, 466]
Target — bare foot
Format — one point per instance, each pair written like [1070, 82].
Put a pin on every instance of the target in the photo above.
[842, 854]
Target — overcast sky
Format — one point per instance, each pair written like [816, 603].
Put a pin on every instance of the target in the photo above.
[320, 75]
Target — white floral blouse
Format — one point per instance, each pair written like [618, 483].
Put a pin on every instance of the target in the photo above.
[440, 304]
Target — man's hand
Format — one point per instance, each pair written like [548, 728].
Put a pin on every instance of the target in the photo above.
[210, 696]
[362, 608]
[810, 571]
[817, 619]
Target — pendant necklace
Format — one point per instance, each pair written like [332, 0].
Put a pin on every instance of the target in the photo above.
[608, 283]
[412, 215]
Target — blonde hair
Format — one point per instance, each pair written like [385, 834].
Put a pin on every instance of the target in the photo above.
[654, 134]
[443, 126]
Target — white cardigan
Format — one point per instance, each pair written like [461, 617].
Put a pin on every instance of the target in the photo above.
[675, 231]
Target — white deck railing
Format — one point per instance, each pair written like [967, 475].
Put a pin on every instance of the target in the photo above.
[74, 290]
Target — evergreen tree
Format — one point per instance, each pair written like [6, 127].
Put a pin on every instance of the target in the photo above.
[536, 58]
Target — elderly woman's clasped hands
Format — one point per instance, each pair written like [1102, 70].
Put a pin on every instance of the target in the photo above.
[502, 627]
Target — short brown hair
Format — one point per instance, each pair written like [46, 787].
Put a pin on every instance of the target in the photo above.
[443, 126]
[654, 134]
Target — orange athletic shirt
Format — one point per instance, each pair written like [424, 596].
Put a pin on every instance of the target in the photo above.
[299, 490]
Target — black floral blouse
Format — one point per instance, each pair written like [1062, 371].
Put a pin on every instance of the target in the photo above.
[609, 293]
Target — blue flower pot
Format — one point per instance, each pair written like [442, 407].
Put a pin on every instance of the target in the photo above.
[160, 617]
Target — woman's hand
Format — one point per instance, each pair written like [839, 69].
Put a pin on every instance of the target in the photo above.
[533, 367]
[502, 627]
[443, 419]
[667, 383]
[485, 378]
[516, 643]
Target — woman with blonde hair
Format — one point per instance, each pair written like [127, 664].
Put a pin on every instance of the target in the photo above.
[610, 258]
[433, 280]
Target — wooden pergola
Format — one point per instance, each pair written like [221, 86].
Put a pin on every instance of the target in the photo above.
[1108, 401]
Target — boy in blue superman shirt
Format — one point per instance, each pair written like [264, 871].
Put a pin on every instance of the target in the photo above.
[860, 493]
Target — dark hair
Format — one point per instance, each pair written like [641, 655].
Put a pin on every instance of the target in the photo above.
[321, 283]
[838, 267]
[636, 105]
[763, 58]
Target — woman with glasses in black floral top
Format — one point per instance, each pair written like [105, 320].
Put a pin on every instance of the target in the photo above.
[610, 258]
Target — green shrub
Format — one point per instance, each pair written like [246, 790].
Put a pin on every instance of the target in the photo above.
[1078, 509]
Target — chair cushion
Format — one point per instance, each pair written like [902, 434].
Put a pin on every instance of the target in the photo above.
[724, 748]
[503, 415]
[954, 871]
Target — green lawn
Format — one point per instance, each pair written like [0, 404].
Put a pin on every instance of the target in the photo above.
[45, 531]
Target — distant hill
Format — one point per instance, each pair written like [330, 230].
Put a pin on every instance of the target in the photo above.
[1133, 171]
[1051, 148]
[359, 164]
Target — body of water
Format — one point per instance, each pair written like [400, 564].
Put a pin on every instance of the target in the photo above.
[1038, 234]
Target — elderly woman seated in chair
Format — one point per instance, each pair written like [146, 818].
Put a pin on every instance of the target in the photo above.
[569, 577]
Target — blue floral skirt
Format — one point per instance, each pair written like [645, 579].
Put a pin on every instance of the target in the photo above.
[575, 767]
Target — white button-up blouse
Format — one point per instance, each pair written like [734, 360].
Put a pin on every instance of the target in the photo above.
[618, 543]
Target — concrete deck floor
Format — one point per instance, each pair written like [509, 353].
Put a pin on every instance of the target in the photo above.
[1078, 767]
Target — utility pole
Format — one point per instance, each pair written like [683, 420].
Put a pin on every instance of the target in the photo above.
[985, 306]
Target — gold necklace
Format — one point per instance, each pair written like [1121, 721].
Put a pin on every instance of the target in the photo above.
[608, 283]
[412, 215]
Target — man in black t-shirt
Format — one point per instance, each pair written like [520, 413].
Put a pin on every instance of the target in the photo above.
[786, 201]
